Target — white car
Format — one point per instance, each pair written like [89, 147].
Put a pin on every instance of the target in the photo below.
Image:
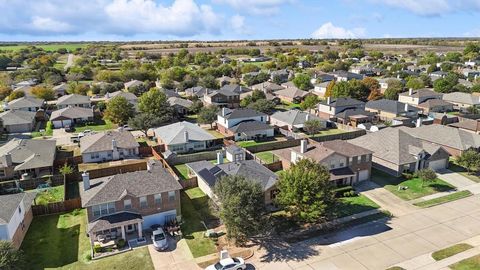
[159, 239]
[228, 264]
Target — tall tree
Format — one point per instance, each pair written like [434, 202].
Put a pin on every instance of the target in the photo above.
[329, 91]
[145, 121]
[263, 105]
[242, 207]
[43, 93]
[207, 115]
[470, 160]
[10, 257]
[305, 191]
[302, 81]
[395, 87]
[310, 102]
[312, 126]
[119, 110]
[155, 102]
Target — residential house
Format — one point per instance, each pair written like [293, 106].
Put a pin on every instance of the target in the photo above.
[73, 100]
[224, 80]
[181, 106]
[24, 104]
[197, 91]
[293, 120]
[222, 98]
[13, 121]
[330, 107]
[435, 105]
[267, 87]
[348, 164]
[384, 83]
[60, 90]
[108, 145]
[462, 101]
[416, 97]
[69, 116]
[468, 72]
[132, 84]
[395, 151]
[291, 94]
[354, 117]
[26, 158]
[209, 174]
[455, 141]
[321, 77]
[244, 124]
[467, 125]
[437, 75]
[130, 97]
[123, 206]
[387, 109]
[184, 137]
[343, 76]
[320, 88]
[235, 88]
[16, 216]
[280, 75]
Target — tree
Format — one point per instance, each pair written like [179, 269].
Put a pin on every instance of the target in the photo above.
[329, 91]
[305, 191]
[242, 207]
[66, 170]
[155, 102]
[374, 88]
[353, 88]
[415, 83]
[207, 115]
[395, 87]
[119, 110]
[5, 91]
[10, 257]
[310, 102]
[447, 84]
[427, 175]
[470, 160]
[312, 126]
[15, 95]
[145, 121]
[43, 93]
[263, 105]
[302, 81]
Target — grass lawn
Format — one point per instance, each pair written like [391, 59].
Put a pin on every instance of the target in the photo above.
[453, 166]
[195, 209]
[253, 143]
[100, 125]
[50, 195]
[472, 263]
[444, 199]
[327, 132]
[353, 205]
[46, 47]
[59, 242]
[267, 157]
[182, 171]
[415, 187]
[216, 134]
[450, 251]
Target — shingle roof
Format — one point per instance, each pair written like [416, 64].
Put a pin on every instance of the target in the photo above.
[11, 202]
[246, 126]
[114, 221]
[14, 117]
[127, 95]
[343, 102]
[391, 106]
[422, 93]
[431, 103]
[72, 113]
[73, 99]
[459, 97]
[25, 102]
[103, 141]
[269, 86]
[180, 102]
[234, 88]
[240, 113]
[132, 83]
[136, 184]
[291, 92]
[175, 133]
[352, 112]
[294, 117]
[30, 154]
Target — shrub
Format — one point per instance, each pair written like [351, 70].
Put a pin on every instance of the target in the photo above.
[408, 176]
[121, 243]
[340, 192]
[97, 248]
[350, 193]
[76, 212]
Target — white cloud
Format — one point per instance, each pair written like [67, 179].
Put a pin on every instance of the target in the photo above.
[257, 7]
[328, 30]
[433, 7]
[49, 25]
[237, 23]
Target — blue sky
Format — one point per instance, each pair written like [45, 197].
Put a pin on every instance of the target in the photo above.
[75, 20]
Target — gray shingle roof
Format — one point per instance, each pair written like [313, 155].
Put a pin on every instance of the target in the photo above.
[291, 92]
[136, 184]
[391, 106]
[420, 93]
[343, 102]
[114, 221]
[14, 117]
[180, 102]
[293, 117]
[72, 113]
[25, 102]
[459, 97]
[11, 202]
[175, 133]
[246, 126]
[30, 154]
[239, 113]
[72, 100]
[103, 141]
[127, 95]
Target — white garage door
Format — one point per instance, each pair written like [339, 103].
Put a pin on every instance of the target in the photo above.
[438, 164]
[363, 175]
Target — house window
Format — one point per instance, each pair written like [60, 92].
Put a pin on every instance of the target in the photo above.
[341, 164]
[96, 210]
[2, 173]
[143, 202]
[158, 199]
[332, 166]
[92, 156]
[171, 196]
[127, 204]
[19, 209]
[111, 208]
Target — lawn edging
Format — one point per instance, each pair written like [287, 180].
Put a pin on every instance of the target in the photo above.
[450, 251]
[444, 199]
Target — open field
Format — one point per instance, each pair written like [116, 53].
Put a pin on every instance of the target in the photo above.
[47, 47]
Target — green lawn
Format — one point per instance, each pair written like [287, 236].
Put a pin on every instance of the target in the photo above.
[195, 208]
[216, 134]
[253, 143]
[330, 132]
[100, 125]
[60, 242]
[450, 251]
[50, 195]
[415, 186]
[348, 206]
[444, 199]
[47, 47]
[453, 166]
[182, 171]
[472, 263]
[267, 157]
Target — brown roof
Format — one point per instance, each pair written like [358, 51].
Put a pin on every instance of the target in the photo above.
[346, 148]
[103, 141]
[467, 124]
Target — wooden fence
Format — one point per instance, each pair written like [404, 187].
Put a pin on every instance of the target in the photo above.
[141, 165]
[189, 183]
[165, 164]
[56, 207]
[29, 184]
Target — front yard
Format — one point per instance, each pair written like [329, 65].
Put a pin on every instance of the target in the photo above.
[409, 189]
[472, 263]
[195, 210]
[453, 166]
[98, 125]
[60, 242]
[348, 206]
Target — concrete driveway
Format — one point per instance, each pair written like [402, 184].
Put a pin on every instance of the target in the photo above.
[177, 257]
[455, 179]
[379, 244]
[62, 137]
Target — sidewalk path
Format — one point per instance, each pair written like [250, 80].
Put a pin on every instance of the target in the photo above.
[69, 62]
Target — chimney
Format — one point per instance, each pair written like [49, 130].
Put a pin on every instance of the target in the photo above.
[307, 117]
[406, 107]
[86, 181]
[224, 111]
[8, 160]
[150, 165]
[419, 122]
[303, 146]
[410, 91]
[398, 76]
[114, 145]
[220, 157]
[185, 135]
[329, 99]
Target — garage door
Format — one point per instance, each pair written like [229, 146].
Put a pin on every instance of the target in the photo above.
[363, 175]
[438, 164]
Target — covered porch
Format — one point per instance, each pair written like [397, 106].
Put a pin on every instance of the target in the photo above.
[342, 176]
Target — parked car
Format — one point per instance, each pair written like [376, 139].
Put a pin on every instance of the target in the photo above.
[127, 128]
[228, 264]
[159, 239]
[69, 129]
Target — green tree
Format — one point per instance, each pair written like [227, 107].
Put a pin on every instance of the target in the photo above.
[427, 175]
[119, 110]
[15, 95]
[5, 91]
[43, 93]
[302, 81]
[329, 91]
[470, 160]
[242, 207]
[145, 121]
[305, 191]
[395, 87]
[263, 105]
[310, 102]
[353, 88]
[415, 83]
[10, 257]
[312, 126]
[155, 102]
[207, 115]
[66, 170]
[447, 84]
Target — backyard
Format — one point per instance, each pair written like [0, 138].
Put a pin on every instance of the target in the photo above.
[59, 242]
[267, 157]
[195, 210]
[49, 195]
[409, 189]
[182, 171]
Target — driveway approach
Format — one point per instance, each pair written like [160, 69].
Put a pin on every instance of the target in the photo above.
[380, 244]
